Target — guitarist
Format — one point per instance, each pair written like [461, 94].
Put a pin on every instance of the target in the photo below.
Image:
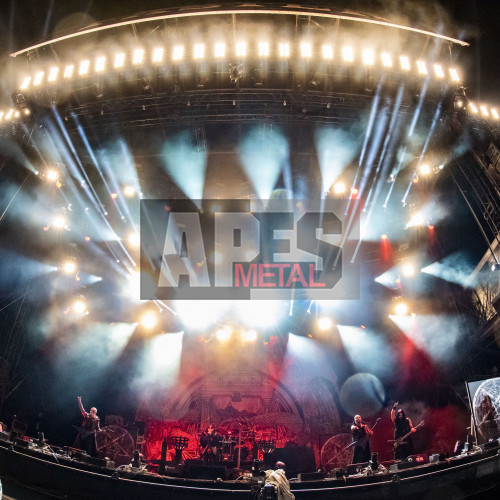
[87, 433]
[360, 434]
[402, 426]
[210, 441]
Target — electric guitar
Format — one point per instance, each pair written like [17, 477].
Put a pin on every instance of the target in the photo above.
[362, 441]
[83, 432]
[401, 440]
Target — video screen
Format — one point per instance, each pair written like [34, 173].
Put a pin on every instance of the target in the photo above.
[485, 404]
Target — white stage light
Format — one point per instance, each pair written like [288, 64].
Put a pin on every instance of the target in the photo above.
[405, 63]
[84, 67]
[327, 52]
[52, 175]
[324, 323]
[149, 320]
[138, 56]
[53, 74]
[69, 267]
[158, 55]
[408, 270]
[368, 57]
[220, 50]
[128, 191]
[425, 169]
[422, 68]
[339, 188]
[241, 49]
[438, 69]
[119, 60]
[454, 75]
[38, 78]
[401, 309]
[263, 49]
[224, 334]
[100, 64]
[249, 336]
[284, 50]
[386, 60]
[9, 114]
[68, 71]
[494, 113]
[347, 54]
[306, 50]
[79, 306]
[178, 53]
[134, 239]
[58, 222]
[26, 83]
[473, 107]
[199, 51]
[484, 110]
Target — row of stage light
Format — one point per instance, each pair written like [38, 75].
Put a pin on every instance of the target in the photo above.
[220, 52]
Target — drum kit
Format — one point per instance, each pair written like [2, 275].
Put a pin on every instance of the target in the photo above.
[239, 448]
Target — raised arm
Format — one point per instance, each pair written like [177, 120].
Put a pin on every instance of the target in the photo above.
[393, 412]
[82, 409]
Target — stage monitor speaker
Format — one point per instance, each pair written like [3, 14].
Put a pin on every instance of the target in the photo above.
[100, 462]
[413, 461]
[191, 461]
[356, 468]
[491, 444]
[311, 476]
[207, 472]
[20, 442]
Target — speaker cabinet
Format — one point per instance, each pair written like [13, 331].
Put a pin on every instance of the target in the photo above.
[207, 472]
[311, 476]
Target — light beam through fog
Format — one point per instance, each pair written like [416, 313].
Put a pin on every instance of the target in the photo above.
[368, 350]
[439, 336]
[264, 152]
[186, 163]
[455, 268]
[336, 148]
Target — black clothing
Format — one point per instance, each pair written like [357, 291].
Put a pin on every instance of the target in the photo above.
[401, 428]
[86, 439]
[362, 449]
[210, 447]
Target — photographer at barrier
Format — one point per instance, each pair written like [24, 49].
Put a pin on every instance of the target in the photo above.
[277, 478]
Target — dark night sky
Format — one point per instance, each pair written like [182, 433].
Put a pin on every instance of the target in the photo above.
[476, 21]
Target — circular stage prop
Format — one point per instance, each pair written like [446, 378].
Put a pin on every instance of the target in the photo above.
[116, 443]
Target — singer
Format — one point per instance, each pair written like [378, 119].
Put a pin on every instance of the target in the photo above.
[360, 435]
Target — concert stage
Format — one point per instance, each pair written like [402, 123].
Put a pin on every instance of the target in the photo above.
[48, 473]
[263, 218]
